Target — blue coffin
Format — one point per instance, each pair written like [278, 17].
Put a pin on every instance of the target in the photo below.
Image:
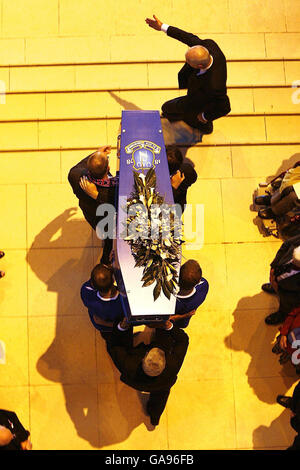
[141, 147]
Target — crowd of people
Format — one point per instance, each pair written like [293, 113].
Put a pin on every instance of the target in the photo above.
[281, 202]
[153, 368]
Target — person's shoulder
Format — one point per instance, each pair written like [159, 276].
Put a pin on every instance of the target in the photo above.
[87, 289]
[203, 285]
[213, 47]
[7, 415]
[6, 412]
[189, 172]
[78, 168]
[295, 241]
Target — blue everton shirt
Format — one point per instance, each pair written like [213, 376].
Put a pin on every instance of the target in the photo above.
[106, 309]
[187, 303]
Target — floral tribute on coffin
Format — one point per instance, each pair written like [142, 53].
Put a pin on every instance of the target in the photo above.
[154, 232]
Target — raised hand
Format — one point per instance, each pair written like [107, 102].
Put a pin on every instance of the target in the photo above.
[155, 24]
[177, 179]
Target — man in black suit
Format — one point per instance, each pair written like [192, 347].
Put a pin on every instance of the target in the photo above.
[149, 368]
[182, 175]
[285, 280]
[93, 185]
[13, 436]
[204, 75]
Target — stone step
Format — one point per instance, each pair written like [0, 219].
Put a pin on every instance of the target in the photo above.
[90, 133]
[142, 47]
[85, 17]
[102, 104]
[116, 76]
[262, 161]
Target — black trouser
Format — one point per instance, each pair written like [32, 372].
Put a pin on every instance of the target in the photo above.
[181, 109]
[281, 203]
[107, 242]
[107, 247]
[288, 301]
[157, 403]
[106, 335]
[295, 420]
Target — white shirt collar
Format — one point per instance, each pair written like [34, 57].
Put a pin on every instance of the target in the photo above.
[190, 294]
[201, 72]
[107, 299]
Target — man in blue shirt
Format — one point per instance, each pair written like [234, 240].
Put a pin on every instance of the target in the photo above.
[193, 290]
[102, 299]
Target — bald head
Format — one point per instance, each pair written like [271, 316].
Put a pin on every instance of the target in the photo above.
[5, 436]
[154, 362]
[198, 57]
[97, 163]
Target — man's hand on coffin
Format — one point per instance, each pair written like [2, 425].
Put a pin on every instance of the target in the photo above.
[124, 324]
[177, 179]
[89, 188]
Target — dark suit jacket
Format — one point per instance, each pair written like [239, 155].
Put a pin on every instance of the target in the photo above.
[283, 256]
[10, 420]
[208, 92]
[128, 359]
[86, 203]
[180, 193]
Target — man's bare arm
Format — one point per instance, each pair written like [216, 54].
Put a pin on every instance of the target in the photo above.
[181, 317]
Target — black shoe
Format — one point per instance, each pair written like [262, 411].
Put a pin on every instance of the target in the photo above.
[275, 318]
[263, 200]
[276, 348]
[153, 419]
[266, 213]
[268, 288]
[284, 401]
